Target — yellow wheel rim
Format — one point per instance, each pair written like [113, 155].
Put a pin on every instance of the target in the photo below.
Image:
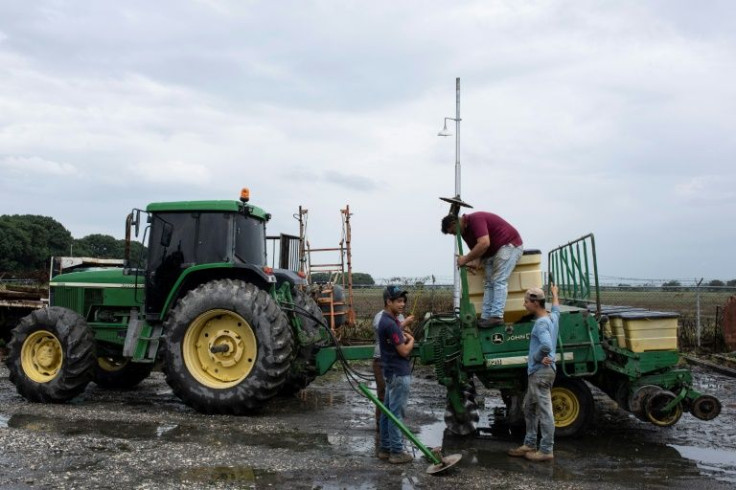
[665, 419]
[110, 364]
[234, 343]
[566, 407]
[41, 356]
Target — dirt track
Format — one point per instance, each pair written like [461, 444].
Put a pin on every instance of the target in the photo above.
[325, 438]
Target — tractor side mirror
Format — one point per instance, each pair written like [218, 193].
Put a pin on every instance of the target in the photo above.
[136, 221]
[166, 234]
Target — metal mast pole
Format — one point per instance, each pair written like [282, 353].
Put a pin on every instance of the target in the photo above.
[456, 294]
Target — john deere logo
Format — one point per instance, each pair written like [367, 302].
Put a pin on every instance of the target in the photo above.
[497, 338]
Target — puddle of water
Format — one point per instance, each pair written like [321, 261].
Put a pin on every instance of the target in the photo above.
[121, 430]
[431, 435]
[296, 441]
[3, 421]
[316, 400]
[163, 429]
[211, 475]
[607, 460]
[717, 463]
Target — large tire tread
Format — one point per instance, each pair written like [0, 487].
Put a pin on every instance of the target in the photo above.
[303, 368]
[274, 338]
[585, 403]
[78, 346]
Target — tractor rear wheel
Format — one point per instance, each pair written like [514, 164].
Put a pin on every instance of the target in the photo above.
[52, 355]
[572, 404]
[227, 347]
[303, 368]
[463, 424]
[114, 373]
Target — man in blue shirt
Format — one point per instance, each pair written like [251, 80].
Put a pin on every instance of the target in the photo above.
[395, 345]
[541, 370]
[377, 366]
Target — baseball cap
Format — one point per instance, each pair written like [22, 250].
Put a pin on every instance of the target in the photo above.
[393, 293]
[535, 294]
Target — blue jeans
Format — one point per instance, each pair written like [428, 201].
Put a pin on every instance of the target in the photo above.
[538, 409]
[397, 395]
[498, 269]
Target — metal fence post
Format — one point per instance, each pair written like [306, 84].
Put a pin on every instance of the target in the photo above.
[697, 310]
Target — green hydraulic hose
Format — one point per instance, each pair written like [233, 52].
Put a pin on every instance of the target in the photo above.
[429, 454]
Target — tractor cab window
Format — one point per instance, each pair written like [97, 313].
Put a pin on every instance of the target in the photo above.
[180, 240]
[250, 240]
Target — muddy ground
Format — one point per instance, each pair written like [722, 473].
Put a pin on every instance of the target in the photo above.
[325, 438]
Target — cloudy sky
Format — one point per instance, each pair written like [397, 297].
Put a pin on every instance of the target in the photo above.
[610, 117]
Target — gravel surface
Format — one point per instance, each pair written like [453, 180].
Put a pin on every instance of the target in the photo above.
[325, 438]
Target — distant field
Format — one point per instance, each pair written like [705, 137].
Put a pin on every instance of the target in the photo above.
[369, 301]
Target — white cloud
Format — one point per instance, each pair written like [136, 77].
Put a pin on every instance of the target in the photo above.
[615, 118]
[172, 173]
[36, 167]
[709, 189]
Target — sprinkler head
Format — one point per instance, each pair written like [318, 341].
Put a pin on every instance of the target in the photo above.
[447, 463]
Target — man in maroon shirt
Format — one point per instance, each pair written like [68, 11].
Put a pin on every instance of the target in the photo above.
[498, 246]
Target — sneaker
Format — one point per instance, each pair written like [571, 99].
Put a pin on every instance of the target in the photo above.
[400, 458]
[383, 454]
[539, 456]
[520, 451]
[494, 321]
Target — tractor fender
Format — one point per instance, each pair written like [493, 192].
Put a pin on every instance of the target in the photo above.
[286, 275]
[200, 274]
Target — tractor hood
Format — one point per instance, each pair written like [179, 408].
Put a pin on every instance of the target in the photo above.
[94, 276]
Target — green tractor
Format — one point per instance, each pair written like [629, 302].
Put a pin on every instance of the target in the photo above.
[229, 331]
[629, 353]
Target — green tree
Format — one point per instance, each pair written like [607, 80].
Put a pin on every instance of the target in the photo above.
[363, 278]
[731, 283]
[27, 241]
[138, 254]
[716, 284]
[14, 242]
[359, 278]
[671, 285]
[100, 246]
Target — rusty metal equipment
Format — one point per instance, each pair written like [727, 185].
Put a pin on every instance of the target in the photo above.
[335, 296]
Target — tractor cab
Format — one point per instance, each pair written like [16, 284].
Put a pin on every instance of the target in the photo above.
[188, 240]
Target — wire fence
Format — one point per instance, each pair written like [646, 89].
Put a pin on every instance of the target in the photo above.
[700, 308]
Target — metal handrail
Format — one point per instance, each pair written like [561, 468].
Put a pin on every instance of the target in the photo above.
[570, 268]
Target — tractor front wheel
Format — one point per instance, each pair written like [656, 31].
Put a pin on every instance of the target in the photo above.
[227, 347]
[572, 405]
[52, 355]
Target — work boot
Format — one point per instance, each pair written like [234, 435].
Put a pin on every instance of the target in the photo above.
[400, 458]
[520, 451]
[494, 321]
[383, 453]
[539, 456]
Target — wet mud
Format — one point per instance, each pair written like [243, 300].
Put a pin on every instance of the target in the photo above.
[325, 438]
